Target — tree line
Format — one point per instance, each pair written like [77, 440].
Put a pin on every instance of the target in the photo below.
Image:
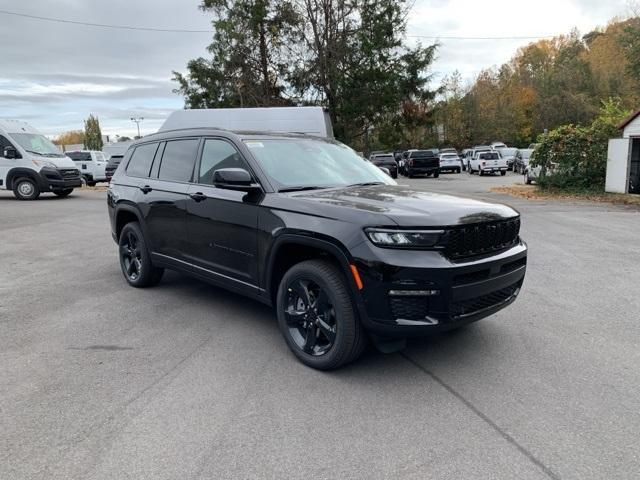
[548, 83]
[351, 56]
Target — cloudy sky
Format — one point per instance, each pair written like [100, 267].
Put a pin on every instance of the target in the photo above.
[54, 75]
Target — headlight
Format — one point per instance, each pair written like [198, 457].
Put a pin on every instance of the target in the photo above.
[43, 163]
[404, 238]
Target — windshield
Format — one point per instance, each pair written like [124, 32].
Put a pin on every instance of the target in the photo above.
[301, 162]
[38, 144]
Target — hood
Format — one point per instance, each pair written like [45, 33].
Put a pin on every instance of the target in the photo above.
[59, 162]
[409, 207]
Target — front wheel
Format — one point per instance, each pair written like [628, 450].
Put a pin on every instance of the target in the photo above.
[135, 260]
[64, 193]
[436, 174]
[26, 189]
[317, 316]
[503, 172]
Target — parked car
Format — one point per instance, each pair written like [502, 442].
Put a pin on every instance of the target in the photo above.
[521, 160]
[450, 162]
[30, 164]
[387, 161]
[112, 164]
[532, 173]
[303, 224]
[92, 165]
[488, 162]
[448, 150]
[470, 153]
[403, 161]
[422, 162]
[509, 154]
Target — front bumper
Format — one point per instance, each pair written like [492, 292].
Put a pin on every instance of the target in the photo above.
[411, 293]
[53, 179]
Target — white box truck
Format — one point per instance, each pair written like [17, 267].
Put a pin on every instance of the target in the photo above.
[30, 164]
[309, 120]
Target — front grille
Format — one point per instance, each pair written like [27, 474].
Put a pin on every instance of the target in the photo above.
[478, 239]
[473, 305]
[409, 308]
[70, 173]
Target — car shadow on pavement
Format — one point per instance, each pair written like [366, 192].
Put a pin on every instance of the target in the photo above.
[459, 347]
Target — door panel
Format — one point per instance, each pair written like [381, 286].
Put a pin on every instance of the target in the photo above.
[222, 227]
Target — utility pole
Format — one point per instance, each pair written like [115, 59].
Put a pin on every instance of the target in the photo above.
[137, 121]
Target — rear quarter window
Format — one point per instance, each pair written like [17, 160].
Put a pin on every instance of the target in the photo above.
[141, 160]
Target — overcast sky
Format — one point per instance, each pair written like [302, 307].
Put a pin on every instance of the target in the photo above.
[54, 75]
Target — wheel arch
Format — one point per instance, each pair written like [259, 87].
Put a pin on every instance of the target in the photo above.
[126, 213]
[20, 172]
[290, 249]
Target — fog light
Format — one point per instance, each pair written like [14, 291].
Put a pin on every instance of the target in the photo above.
[413, 293]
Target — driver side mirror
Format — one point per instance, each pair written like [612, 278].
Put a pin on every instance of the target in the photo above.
[234, 179]
[10, 152]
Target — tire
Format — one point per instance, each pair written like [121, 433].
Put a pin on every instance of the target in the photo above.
[436, 174]
[135, 261]
[64, 193]
[503, 172]
[409, 174]
[342, 339]
[481, 172]
[91, 184]
[458, 171]
[527, 179]
[26, 188]
[84, 181]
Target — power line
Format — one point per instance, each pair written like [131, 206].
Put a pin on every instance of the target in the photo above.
[102, 25]
[447, 37]
[182, 30]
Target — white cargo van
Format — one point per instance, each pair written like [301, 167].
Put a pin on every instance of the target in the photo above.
[310, 120]
[30, 164]
[92, 165]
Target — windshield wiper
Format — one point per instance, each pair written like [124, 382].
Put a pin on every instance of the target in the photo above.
[366, 184]
[43, 154]
[300, 189]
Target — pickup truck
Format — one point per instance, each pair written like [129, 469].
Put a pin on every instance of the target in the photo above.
[488, 162]
[92, 165]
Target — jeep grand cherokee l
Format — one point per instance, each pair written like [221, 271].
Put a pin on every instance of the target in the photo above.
[343, 253]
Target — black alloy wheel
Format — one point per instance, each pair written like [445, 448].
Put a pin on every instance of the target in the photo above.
[317, 315]
[135, 261]
[131, 256]
[311, 319]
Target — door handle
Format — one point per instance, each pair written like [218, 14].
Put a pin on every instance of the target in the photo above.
[146, 189]
[198, 196]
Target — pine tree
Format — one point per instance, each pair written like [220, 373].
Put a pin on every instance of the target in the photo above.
[92, 134]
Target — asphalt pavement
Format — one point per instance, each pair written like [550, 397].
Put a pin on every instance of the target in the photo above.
[183, 381]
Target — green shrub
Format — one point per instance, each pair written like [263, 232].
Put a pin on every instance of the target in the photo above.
[574, 157]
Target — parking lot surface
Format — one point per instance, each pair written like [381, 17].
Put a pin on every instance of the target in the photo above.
[99, 380]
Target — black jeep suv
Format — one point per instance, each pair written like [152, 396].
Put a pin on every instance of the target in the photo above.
[341, 251]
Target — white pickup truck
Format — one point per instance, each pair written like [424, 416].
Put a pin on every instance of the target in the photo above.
[92, 164]
[488, 162]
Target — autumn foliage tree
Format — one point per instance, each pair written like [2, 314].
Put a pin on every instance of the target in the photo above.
[73, 137]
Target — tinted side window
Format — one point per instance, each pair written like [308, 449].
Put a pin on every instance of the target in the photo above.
[141, 160]
[218, 154]
[178, 160]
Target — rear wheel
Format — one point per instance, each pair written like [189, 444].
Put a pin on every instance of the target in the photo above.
[135, 260]
[26, 189]
[317, 316]
[503, 172]
[64, 193]
[436, 174]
